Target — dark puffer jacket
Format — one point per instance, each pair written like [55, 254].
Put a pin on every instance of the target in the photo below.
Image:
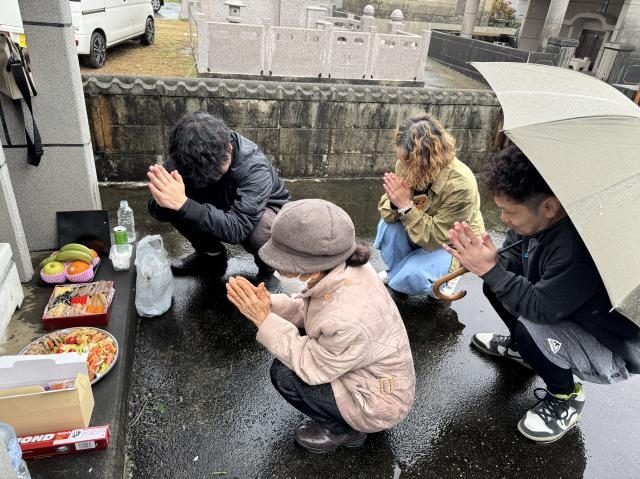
[230, 209]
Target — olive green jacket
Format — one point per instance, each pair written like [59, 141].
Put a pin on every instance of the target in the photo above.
[453, 196]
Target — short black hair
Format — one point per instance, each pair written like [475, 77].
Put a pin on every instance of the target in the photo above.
[198, 148]
[509, 172]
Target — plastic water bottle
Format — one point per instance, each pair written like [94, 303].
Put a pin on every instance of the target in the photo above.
[9, 444]
[125, 218]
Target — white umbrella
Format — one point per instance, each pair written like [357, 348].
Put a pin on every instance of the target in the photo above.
[583, 136]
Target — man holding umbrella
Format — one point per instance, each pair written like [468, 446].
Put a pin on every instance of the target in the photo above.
[550, 295]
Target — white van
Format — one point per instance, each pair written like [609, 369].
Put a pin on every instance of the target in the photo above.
[11, 23]
[98, 25]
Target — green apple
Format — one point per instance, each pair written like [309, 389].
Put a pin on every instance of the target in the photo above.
[53, 267]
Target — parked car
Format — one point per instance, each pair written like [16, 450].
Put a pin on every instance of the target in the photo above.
[157, 4]
[11, 22]
[98, 25]
[101, 24]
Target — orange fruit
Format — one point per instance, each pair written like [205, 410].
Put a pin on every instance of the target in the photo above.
[77, 267]
[93, 253]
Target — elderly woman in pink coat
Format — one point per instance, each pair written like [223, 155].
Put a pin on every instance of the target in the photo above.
[351, 370]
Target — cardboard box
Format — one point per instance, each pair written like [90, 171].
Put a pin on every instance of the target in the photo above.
[64, 442]
[30, 409]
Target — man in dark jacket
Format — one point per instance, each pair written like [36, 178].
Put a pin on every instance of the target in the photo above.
[220, 188]
[550, 295]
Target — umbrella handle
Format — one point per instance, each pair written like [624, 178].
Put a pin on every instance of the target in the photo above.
[440, 281]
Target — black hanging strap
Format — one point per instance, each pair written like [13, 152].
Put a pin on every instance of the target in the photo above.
[34, 146]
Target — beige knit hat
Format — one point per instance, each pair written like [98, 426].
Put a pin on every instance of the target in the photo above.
[308, 236]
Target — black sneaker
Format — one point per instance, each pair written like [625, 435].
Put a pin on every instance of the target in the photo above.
[552, 416]
[200, 263]
[497, 345]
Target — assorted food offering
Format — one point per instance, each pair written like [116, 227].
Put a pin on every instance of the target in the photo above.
[46, 390]
[99, 346]
[84, 304]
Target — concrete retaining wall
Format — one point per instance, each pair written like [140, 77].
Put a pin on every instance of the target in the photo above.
[306, 129]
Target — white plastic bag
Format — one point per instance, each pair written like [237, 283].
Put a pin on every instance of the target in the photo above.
[154, 280]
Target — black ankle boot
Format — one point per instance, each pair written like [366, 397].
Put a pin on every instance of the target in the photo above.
[318, 439]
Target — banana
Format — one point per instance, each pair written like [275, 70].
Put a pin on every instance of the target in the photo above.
[48, 259]
[76, 247]
[74, 255]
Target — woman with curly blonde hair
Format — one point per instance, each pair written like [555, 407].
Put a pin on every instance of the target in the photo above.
[429, 191]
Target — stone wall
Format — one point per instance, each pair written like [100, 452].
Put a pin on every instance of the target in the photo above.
[306, 129]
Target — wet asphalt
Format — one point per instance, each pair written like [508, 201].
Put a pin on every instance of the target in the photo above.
[202, 405]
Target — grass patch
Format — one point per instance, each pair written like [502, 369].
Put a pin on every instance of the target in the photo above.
[169, 56]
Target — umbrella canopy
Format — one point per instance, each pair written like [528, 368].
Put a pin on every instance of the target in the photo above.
[583, 136]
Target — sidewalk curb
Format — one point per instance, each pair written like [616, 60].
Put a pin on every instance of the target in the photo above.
[111, 394]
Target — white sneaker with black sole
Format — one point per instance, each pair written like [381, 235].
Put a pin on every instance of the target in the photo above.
[497, 345]
[552, 416]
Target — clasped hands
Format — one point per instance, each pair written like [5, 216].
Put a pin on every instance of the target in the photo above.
[476, 255]
[166, 188]
[254, 302]
[397, 191]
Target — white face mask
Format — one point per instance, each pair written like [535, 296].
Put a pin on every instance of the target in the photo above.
[291, 285]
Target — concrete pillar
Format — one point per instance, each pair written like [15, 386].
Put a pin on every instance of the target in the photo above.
[184, 9]
[469, 18]
[66, 178]
[531, 27]
[628, 25]
[422, 64]
[553, 21]
[367, 19]
[267, 56]
[12, 231]
[565, 47]
[202, 50]
[396, 23]
[373, 41]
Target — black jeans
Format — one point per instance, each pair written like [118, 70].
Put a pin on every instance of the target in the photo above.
[203, 242]
[557, 379]
[317, 402]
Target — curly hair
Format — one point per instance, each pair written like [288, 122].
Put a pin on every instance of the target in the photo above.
[509, 172]
[198, 148]
[428, 147]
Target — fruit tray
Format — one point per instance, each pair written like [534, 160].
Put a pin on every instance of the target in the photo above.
[64, 278]
[73, 263]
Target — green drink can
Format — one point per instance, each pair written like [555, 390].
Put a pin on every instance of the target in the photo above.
[120, 235]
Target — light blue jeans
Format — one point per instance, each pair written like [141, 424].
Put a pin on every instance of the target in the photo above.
[410, 268]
